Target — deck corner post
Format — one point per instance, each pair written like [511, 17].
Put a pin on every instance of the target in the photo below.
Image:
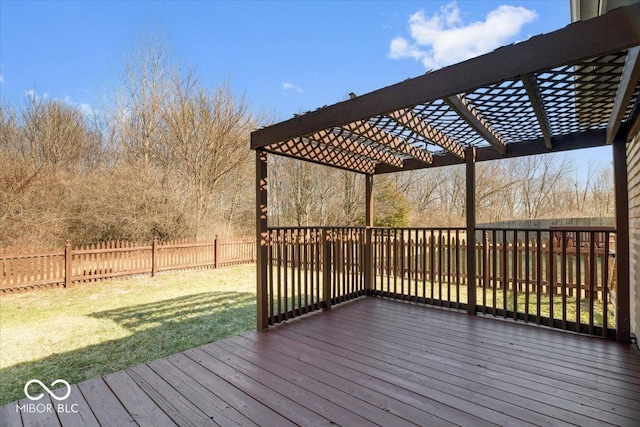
[623, 305]
[261, 239]
[470, 160]
[368, 237]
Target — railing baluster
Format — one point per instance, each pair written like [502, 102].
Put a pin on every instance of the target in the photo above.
[578, 281]
[505, 271]
[526, 276]
[457, 268]
[270, 276]
[485, 269]
[605, 286]
[494, 284]
[592, 277]
[538, 277]
[514, 273]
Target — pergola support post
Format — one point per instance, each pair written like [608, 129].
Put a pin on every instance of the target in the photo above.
[470, 160]
[622, 315]
[368, 236]
[262, 239]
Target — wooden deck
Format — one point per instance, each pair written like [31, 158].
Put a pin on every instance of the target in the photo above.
[370, 362]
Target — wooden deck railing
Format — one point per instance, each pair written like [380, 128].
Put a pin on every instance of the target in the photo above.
[309, 268]
[560, 278]
[31, 268]
[421, 264]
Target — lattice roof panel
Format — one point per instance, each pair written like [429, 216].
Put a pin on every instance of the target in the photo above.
[580, 96]
[440, 115]
[576, 87]
[508, 108]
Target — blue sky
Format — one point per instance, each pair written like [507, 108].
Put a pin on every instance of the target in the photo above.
[287, 57]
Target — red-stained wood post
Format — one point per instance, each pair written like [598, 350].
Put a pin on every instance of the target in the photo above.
[68, 260]
[369, 276]
[623, 302]
[470, 160]
[261, 239]
[326, 268]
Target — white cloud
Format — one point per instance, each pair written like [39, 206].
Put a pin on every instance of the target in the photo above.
[84, 108]
[443, 39]
[1, 79]
[31, 93]
[290, 86]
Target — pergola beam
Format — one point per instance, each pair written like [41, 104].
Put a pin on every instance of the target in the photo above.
[628, 82]
[533, 91]
[465, 110]
[406, 118]
[337, 140]
[611, 32]
[379, 136]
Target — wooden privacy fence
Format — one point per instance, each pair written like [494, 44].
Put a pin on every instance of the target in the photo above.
[30, 268]
[556, 277]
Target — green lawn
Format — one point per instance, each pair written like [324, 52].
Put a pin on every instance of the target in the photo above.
[98, 328]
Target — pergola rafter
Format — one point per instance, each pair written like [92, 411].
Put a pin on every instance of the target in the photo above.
[533, 91]
[465, 110]
[628, 83]
[306, 148]
[336, 139]
[381, 137]
[409, 120]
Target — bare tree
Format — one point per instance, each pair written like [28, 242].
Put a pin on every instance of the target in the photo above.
[43, 146]
[540, 176]
[207, 139]
[137, 108]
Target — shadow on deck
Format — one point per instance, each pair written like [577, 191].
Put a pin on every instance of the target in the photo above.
[369, 362]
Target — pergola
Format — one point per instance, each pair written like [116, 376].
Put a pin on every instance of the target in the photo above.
[574, 88]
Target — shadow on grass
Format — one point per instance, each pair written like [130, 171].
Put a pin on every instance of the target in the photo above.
[157, 330]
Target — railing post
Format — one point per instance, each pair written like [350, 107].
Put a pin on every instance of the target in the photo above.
[68, 259]
[154, 256]
[470, 159]
[368, 236]
[262, 240]
[485, 269]
[326, 269]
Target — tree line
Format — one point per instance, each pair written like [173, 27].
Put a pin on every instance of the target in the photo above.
[168, 157]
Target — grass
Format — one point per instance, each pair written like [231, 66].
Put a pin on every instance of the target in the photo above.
[94, 329]
[570, 305]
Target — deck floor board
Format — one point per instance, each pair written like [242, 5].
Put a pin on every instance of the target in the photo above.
[370, 362]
